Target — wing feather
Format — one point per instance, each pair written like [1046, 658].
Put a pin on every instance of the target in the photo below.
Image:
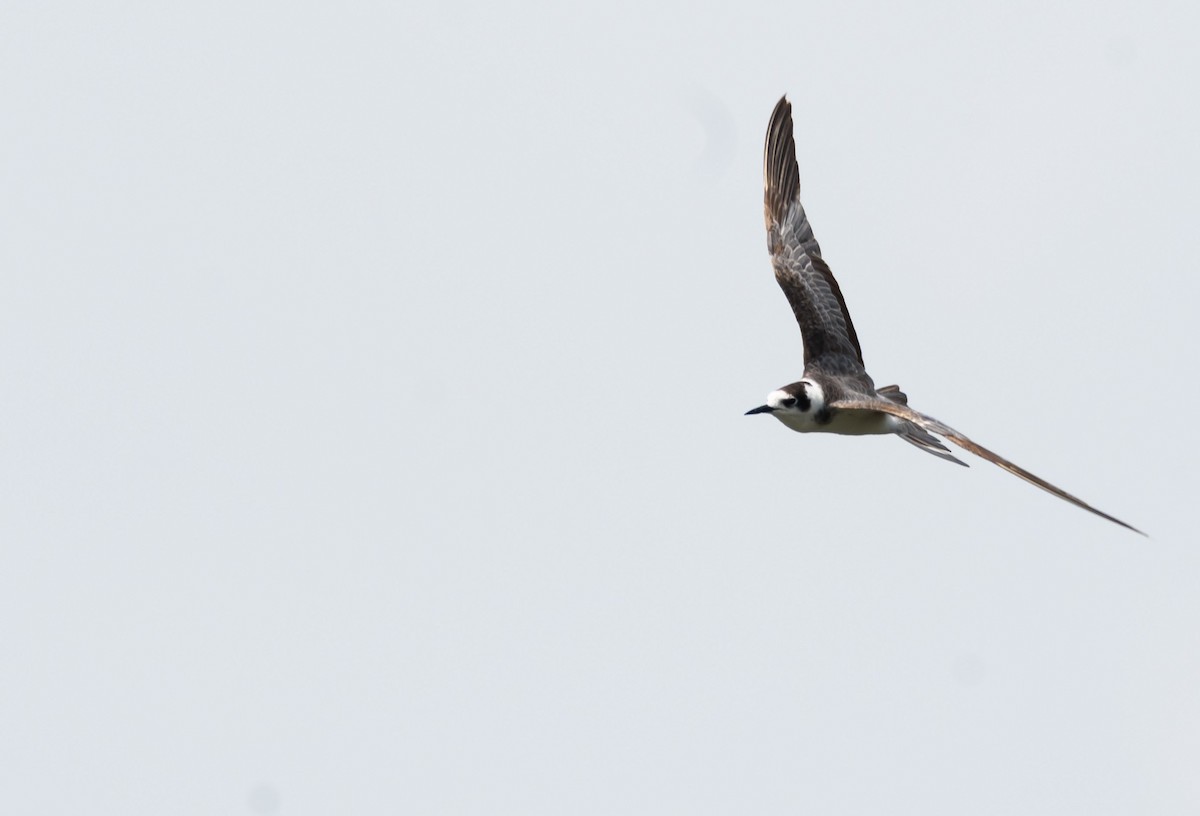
[830, 342]
[940, 428]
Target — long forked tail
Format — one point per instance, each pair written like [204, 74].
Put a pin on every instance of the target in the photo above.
[914, 434]
[918, 436]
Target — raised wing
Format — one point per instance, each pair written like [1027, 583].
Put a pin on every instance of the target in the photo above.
[830, 342]
[934, 426]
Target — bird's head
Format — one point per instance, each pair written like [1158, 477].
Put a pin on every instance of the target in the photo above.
[800, 399]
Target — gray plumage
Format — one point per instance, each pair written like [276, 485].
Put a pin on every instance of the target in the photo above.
[836, 394]
[830, 342]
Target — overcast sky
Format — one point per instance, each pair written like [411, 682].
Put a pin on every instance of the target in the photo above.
[371, 393]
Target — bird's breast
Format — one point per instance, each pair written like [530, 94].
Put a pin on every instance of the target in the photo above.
[851, 423]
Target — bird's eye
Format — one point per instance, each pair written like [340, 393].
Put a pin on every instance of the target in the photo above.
[788, 403]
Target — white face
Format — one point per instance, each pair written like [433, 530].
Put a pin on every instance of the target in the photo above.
[790, 402]
[783, 402]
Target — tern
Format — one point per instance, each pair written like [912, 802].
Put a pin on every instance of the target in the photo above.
[836, 395]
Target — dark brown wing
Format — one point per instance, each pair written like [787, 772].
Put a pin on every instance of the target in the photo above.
[830, 342]
[932, 425]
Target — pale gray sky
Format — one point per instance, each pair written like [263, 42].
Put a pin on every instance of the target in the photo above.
[371, 423]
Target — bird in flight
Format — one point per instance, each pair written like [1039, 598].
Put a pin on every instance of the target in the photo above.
[836, 395]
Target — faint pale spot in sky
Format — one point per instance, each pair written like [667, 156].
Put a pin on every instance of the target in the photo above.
[968, 669]
[263, 798]
[720, 133]
[1120, 50]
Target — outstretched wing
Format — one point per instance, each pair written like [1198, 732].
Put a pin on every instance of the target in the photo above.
[940, 428]
[829, 339]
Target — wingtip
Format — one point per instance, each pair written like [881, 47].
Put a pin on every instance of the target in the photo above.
[1116, 520]
[781, 175]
